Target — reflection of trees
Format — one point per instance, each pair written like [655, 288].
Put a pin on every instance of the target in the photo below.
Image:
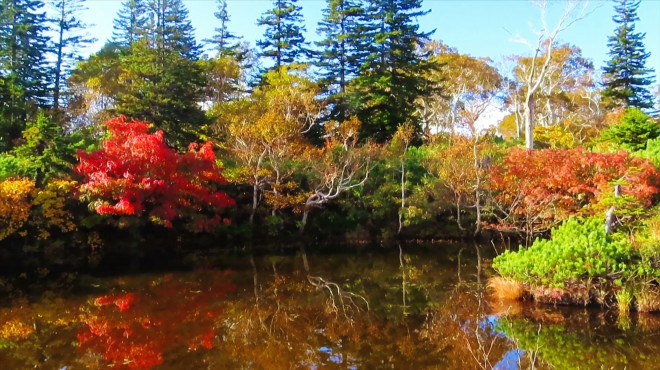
[296, 319]
[346, 299]
[136, 329]
[457, 329]
[277, 319]
[33, 335]
[571, 339]
[314, 313]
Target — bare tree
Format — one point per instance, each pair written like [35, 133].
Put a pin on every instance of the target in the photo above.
[574, 11]
[338, 167]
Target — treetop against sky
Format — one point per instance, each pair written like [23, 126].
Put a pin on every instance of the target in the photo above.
[481, 28]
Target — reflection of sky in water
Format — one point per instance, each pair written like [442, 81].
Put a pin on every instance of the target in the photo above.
[491, 322]
[336, 358]
[510, 360]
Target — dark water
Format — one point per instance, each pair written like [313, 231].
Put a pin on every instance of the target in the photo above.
[408, 309]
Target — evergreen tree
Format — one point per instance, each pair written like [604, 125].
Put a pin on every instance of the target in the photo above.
[46, 151]
[70, 37]
[161, 81]
[339, 55]
[131, 22]
[393, 76]
[626, 76]
[225, 42]
[178, 32]
[24, 70]
[170, 29]
[283, 39]
[162, 87]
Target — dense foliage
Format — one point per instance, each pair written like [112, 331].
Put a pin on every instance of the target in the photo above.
[535, 190]
[136, 173]
[635, 129]
[379, 136]
[578, 250]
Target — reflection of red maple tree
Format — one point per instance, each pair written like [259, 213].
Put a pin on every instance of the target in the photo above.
[135, 329]
[135, 172]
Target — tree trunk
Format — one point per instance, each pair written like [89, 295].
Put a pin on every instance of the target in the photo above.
[458, 212]
[255, 194]
[516, 115]
[477, 190]
[529, 122]
[610, 216]
[403, 196]
[304, 221]
[58, 63]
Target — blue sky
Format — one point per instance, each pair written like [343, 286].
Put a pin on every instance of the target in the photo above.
[481, 28]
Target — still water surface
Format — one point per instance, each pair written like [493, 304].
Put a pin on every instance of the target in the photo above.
[408, 308]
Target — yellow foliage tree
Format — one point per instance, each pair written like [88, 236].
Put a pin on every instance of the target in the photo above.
[15, 204]
[555, 136]
[23, 207]
[266, 131]
[51, 205]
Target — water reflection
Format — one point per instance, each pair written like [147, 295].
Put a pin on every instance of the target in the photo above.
[361, 310]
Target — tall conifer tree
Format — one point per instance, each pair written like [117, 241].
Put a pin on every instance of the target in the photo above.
[393, 74]
[162, 87]
[24, 70]
[339, 52]
[70, 37]
[338, 56]
[178, 32]
[225, 42]
[131, 22]
[626, 76]
[161, 79]
[283, 40]
[169, 28]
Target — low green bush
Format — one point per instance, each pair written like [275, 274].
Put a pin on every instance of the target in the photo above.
[651, 152]
[635, 129]
[578, 250]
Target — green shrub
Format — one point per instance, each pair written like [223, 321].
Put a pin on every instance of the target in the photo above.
[635, 129]
[579, 249]
[652, 152]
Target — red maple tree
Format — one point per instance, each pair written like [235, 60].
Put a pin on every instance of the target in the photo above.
[136, 173]
[534, 190]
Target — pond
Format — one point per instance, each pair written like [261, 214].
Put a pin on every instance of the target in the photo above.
[410, 307]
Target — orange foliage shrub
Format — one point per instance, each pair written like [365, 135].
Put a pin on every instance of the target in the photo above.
[534, 190]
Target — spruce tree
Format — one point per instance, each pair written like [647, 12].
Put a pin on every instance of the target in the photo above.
[24, 70]
[161, 78]
[626, 76]
[339, 54]
[393, 75]
[162, 87]
[283, 40]
[131, 22]
[225, 42]
[169, 28]
[70, 37]
[178, 32]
